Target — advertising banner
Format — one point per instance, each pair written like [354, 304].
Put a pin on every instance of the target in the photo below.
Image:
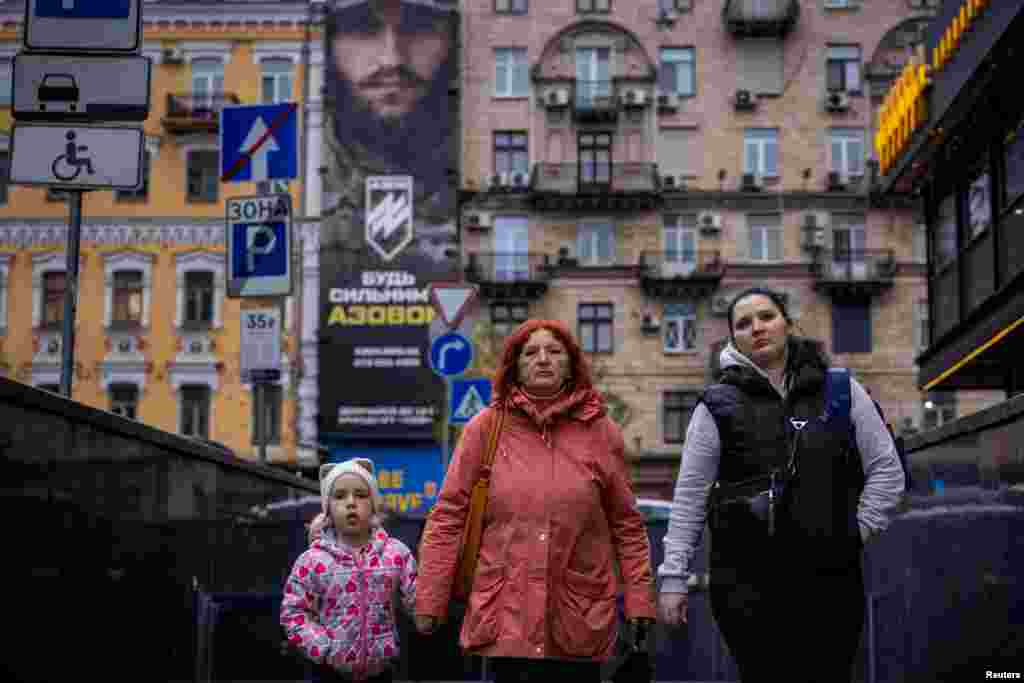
[388, 226]
[409, 478]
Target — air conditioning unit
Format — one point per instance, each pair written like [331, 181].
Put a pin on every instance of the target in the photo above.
[749, 182]
[668, 181]
[744, 100]
[709, 221]
[668, 101]
[172, 55]
[835, 181]
[720, 304]
[558, 97]
[837, 101]
[478, 220]
[633, 97]
[650, 323]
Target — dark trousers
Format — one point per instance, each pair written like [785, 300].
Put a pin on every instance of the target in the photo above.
[801, 629]
[515, 670]
[325, 674]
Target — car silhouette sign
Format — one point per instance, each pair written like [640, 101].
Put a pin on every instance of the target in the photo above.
[57, 89]
[86, 89]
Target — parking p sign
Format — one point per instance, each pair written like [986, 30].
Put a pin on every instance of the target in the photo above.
[259, 239]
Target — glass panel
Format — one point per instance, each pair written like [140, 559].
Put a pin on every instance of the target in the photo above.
[751, 160]
[501, 86]
[979, 205]
[853, 76]
[587, 336]
[947, 302]
[1015, 164]
[757, 247]
[604, 337]
[771, 152]
[946, 243]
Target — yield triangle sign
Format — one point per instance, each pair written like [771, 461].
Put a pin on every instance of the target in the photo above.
[452, 300]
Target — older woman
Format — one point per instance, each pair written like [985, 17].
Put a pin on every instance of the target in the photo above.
[561, 512]
[789, 604]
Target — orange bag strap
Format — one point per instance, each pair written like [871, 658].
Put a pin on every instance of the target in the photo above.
[492, 447]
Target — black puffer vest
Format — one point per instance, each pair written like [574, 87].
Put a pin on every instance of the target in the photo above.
[816, 525]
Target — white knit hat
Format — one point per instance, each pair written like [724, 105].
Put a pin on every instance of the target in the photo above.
[362, 468]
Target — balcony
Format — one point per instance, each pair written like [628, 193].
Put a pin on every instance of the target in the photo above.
[681, 274]
[508, 275]
[853, 273]
[595, 102]
[191, 113]
[626, 186]
[760, 18]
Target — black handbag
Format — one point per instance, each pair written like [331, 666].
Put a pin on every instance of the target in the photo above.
[635, 666]
[761, 496]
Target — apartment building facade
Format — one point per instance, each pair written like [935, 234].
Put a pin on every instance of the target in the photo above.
[157, 339]
[631, 166]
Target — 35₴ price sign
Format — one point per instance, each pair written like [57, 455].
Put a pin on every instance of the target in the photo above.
[261, 341]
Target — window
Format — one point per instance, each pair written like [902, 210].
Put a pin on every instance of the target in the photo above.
[124, 400]
[203, 175]
[839, 4]
[851, 327]
[1014, 159]
[593, 77]
[765, 238]
[679, 152]
[6, 81]
[510, 152]
[198, 299]
[760, 62]
[595, 159]
[842, 68]
[922, 327]
[680, 326]
[511, 78]
[939, 408]
[979, 202]
[761, 152]
[946, 243]
[272, 397]
[595, 243]
[53, 298]
[5, 173]
[595, 327]
[677, 72]
[506, 317]
[511, 247]
[195, 411]
[143, 190]
[593, 6]
[207, 82]
[677, 408]
[511, 6]
[679, 235]
[277, 81]
[847, 151]
[849, 237]
[127, 298]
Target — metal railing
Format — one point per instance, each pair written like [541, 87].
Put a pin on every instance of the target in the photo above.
[574, 177]
[760, 17]
[594, 94]
[513, 266]
[855, 265]
[192, 107]
[682, 263]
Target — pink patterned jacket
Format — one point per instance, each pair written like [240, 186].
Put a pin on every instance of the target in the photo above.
[338, 606]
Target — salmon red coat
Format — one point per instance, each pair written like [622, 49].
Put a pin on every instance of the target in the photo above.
[560, 512]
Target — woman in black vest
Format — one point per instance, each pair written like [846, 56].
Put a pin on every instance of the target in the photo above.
[786, 583]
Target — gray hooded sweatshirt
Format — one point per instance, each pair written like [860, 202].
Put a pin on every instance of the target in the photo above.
[883, 476]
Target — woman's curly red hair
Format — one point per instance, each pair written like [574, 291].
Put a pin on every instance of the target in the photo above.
[507, 376]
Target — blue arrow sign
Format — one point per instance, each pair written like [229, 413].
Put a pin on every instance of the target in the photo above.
[259, 143]
[84, 9]
[468, 397]
[451, 354]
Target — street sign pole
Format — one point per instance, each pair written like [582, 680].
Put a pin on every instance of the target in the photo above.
[447, 428]
[259, 388]
[71, 292]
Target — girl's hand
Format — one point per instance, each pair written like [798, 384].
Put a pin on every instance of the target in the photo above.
[426, 624]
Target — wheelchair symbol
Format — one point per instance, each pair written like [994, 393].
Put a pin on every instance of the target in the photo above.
[68, 165]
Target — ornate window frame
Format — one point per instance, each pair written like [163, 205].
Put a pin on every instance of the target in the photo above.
[206, 49]
[127, 260]
[123, 372]
[42, 264]
[201, 261]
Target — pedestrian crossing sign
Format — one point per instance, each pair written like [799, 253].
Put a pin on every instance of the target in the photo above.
[468, 397]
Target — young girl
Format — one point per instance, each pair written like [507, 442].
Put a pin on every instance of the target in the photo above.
[338, 606]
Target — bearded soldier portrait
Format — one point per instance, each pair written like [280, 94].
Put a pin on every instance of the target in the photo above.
[389, 64]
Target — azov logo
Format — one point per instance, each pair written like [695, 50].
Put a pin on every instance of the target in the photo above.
[389, 214]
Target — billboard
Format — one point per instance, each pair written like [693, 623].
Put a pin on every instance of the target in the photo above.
[388, 217]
